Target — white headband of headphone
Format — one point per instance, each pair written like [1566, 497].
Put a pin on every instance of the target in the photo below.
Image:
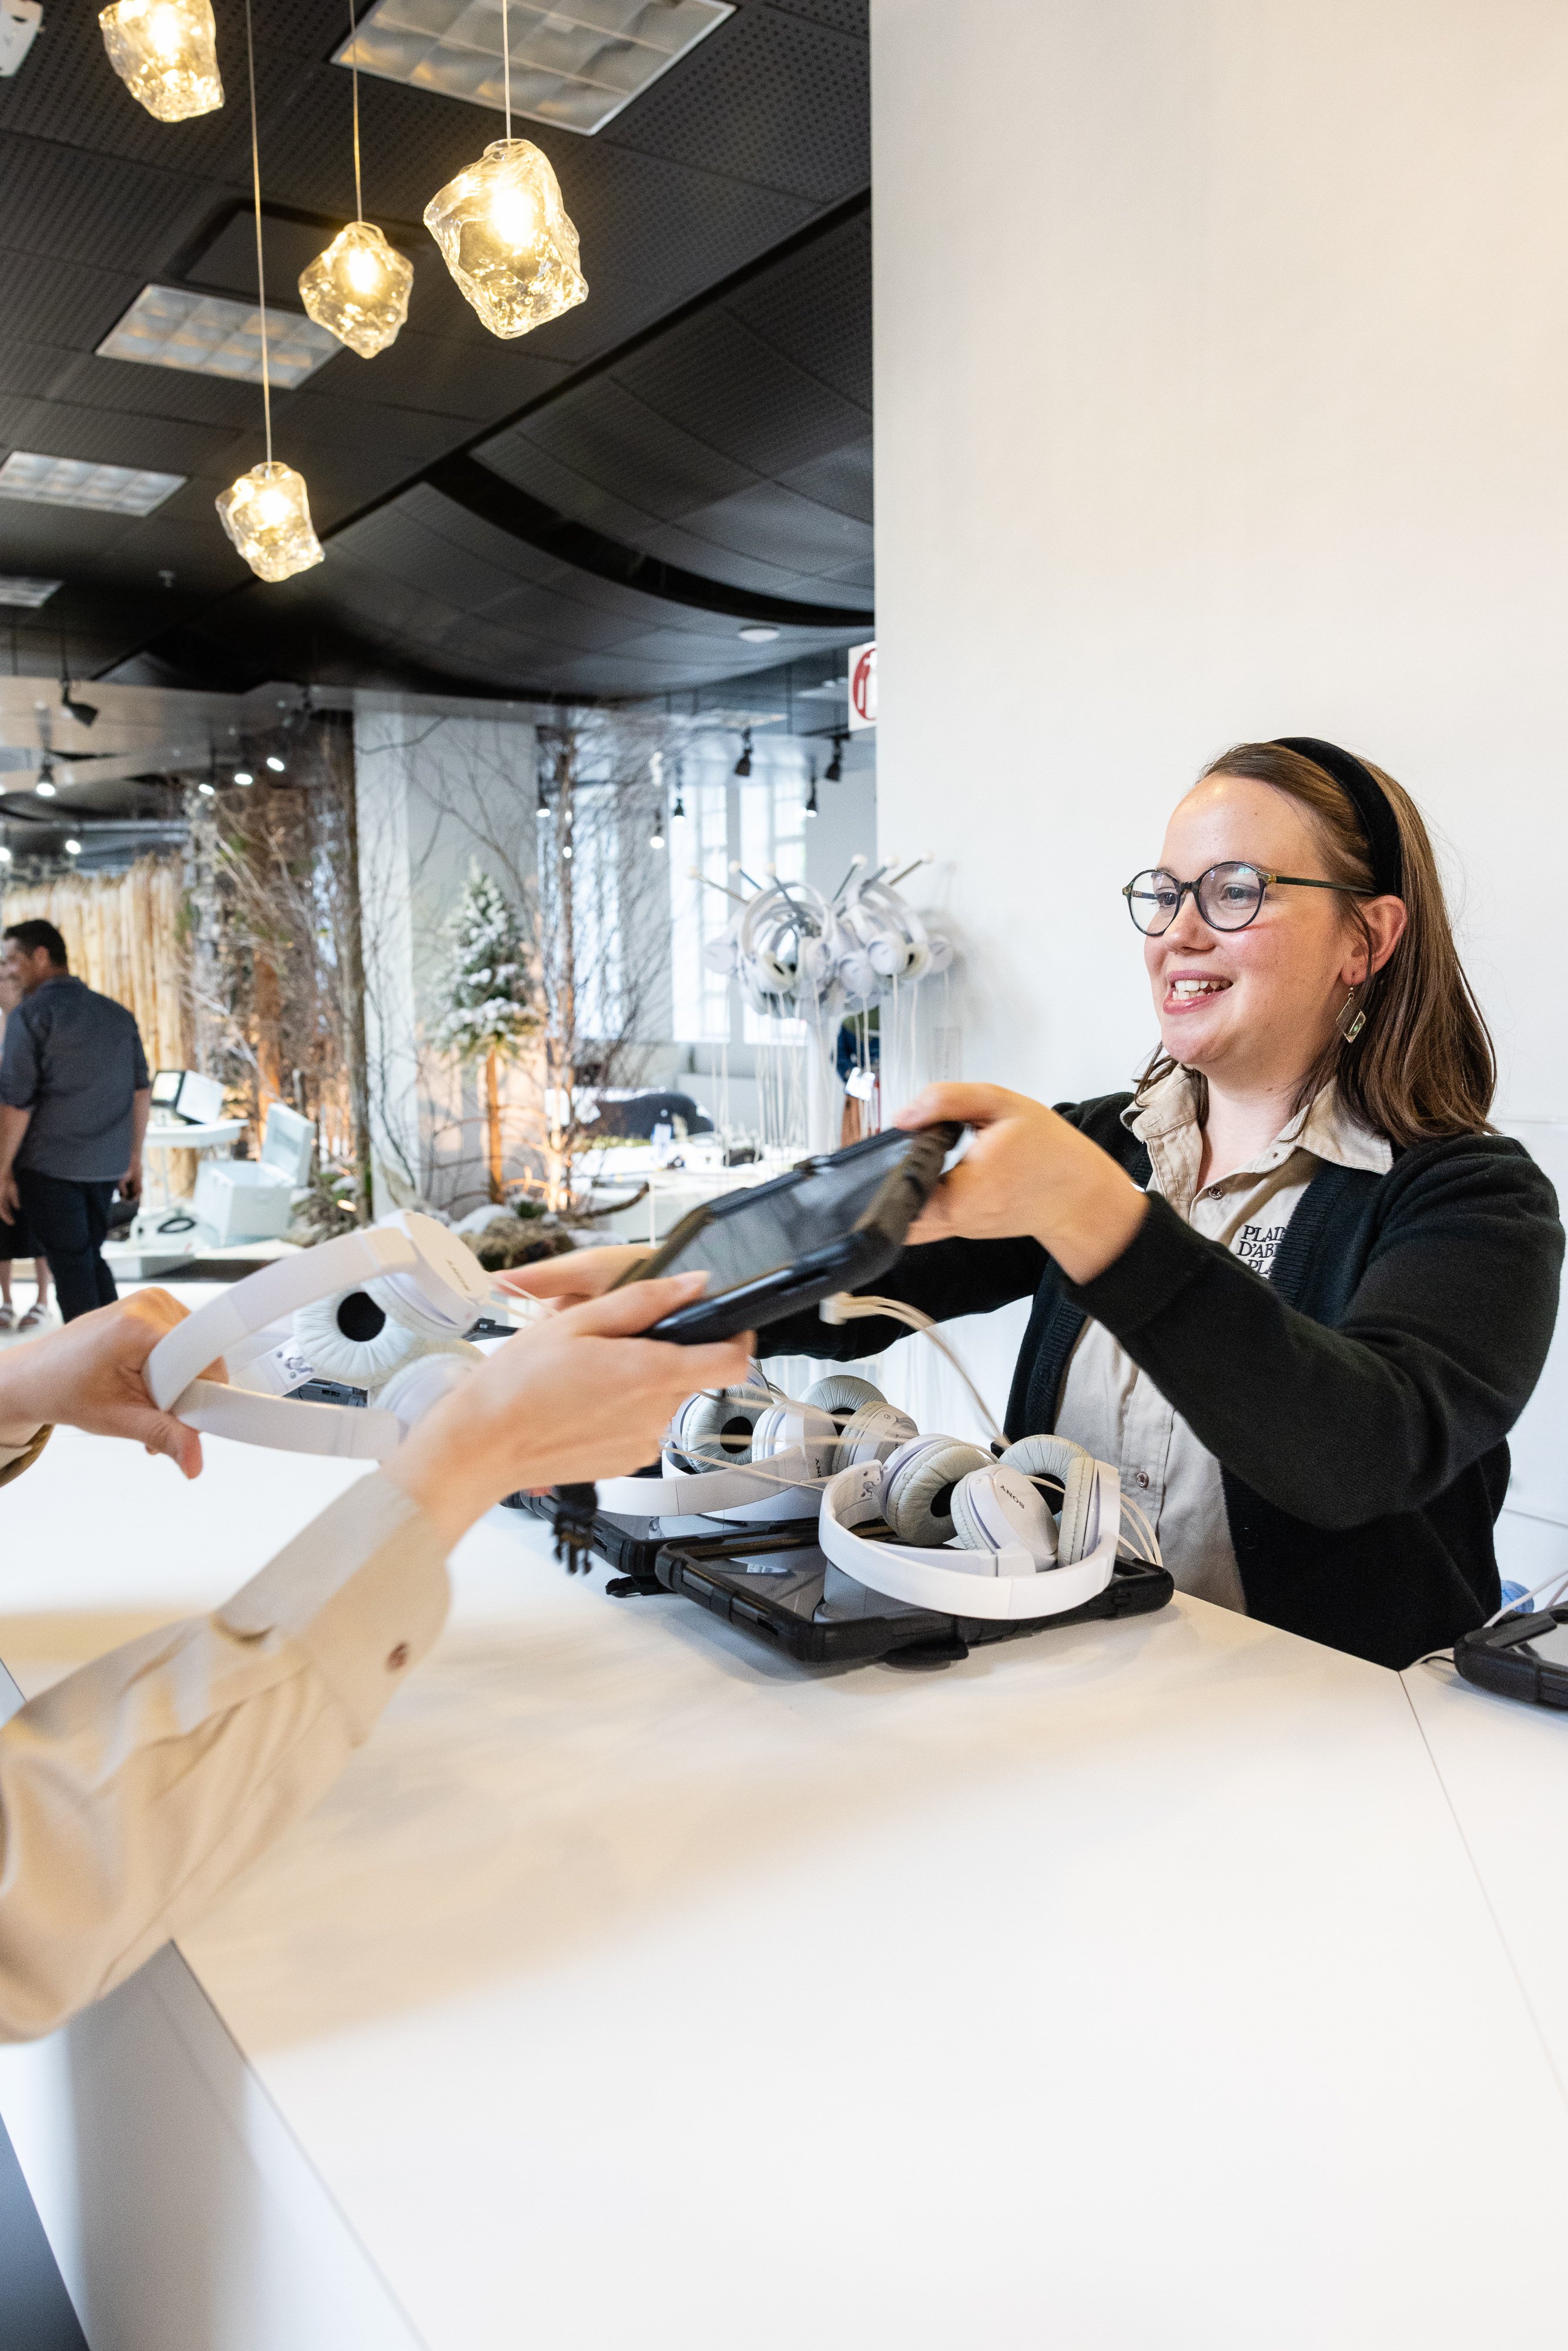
[1007, 1582]
[738, 1493]
[419, 1273]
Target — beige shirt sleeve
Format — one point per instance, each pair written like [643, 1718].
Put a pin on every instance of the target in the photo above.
[135, 1790]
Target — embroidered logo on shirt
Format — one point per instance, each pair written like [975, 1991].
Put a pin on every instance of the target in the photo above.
[1256, 1246]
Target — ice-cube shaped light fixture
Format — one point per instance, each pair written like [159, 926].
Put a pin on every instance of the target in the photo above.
[166, 54]
[357, 289]
[267, 514]
[506, 236]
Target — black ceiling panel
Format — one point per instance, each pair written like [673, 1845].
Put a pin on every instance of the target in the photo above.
[813, 140]
[726, 341]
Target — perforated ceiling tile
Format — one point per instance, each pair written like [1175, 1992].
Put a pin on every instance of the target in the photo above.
[812, 137]
[423, 372]
[607, 435]
[842, 480]
[851, 17]
[772, 522]
[186, 399]
[574, 65]
[710, 561]
[755, 404]
[816, 309]
[94, 208]
[60, 302]
[32, 368]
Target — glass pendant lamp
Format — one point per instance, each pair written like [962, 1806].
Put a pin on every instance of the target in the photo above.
[505, 234]
[266, 513]
[166, 54]
[357, 289]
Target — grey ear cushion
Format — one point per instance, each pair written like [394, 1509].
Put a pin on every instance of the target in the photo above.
[920, 1499]
[718, 1428]
[842, 1393]
[1057, 1456]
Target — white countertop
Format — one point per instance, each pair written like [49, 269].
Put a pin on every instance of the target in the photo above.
[1125, 1985]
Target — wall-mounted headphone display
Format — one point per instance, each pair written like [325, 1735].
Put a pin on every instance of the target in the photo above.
[383, 1309]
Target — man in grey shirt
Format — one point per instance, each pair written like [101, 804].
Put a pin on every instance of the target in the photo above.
[74, 1098]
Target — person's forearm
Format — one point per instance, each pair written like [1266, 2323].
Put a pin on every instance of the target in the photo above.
[135, 1790]
[13, 1127]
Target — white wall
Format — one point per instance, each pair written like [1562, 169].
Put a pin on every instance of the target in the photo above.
[1222, 390]
[430, 789]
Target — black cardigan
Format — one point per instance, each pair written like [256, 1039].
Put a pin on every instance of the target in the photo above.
[1358, 1400]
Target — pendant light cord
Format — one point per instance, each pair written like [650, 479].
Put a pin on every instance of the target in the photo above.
[505, 66]
[260, 272]
[354, 67]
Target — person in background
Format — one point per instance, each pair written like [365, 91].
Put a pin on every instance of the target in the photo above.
[16, 1240]
[74, 1099]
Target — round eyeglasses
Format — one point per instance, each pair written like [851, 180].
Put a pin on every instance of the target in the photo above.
[1227, 896]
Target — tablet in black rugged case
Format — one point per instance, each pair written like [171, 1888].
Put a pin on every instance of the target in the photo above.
[1525, 1656]
[832, 1223]
[775, 1582]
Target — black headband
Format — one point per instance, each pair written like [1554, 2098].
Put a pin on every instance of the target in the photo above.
[1369, 800]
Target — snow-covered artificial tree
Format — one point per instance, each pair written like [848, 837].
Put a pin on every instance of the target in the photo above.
[490, 1012]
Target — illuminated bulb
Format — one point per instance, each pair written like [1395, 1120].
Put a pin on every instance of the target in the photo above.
[267, 514]
[44, 788]
[73, 849]
[166, 54]
[567, 851]
[357, 289]
[208, 791]
[504, 235]
[656, 840]
[244, 775]
[274, 763]
[4, 857]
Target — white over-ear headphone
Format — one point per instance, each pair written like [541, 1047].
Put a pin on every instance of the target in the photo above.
[1013, 1560]
[781, 1450]
[410, 1270]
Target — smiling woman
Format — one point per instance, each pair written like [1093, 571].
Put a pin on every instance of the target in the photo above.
[1293, 1285]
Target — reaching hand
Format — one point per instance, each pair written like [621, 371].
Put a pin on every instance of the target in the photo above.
[578, 1397]
[10, 1197]
[1026, 1172]
[89, 1375]
[562, 1282]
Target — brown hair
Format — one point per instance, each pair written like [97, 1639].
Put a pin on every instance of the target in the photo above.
[1423, 1066]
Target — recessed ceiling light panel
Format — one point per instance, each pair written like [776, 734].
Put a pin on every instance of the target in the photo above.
[575, 65]
[73, 482]
[167, 326]
[29, 593]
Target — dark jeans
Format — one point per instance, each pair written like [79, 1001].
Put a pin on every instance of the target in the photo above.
[68, 1222]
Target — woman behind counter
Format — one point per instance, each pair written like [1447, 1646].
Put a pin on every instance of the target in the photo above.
[1294, 1286]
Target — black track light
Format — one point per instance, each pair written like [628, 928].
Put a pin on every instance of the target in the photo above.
[678, 813]
[743, 765]
[84, 713]
[833, 772]
[812, 809]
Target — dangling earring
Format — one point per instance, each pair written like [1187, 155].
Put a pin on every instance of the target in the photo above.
[1350, 1029]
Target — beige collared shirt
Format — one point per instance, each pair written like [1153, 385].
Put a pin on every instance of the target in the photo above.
[1112, 1408]
[132, 1791]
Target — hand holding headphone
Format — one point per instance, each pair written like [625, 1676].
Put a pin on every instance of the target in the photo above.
[401, 1293]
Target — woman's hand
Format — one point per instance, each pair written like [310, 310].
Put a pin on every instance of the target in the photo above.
[89, 1375]
[571, 1280]
[578, 1397]
[1026, 1172]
